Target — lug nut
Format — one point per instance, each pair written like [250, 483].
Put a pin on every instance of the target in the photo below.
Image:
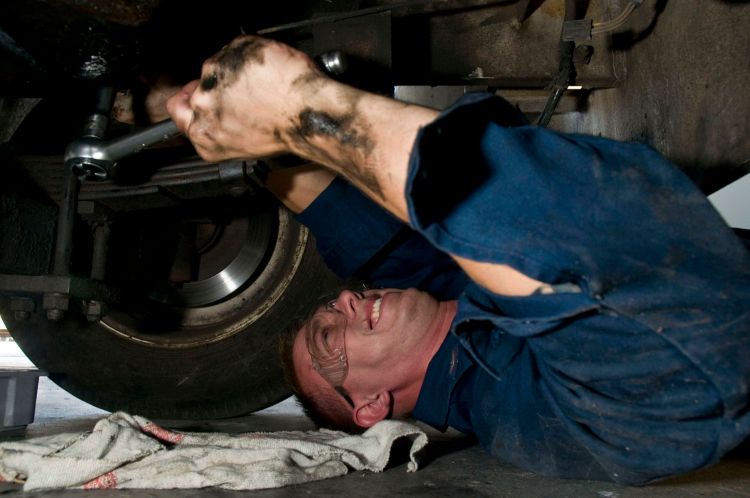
[22, 307]
[55, 315]
[55, 304]
[94, 310]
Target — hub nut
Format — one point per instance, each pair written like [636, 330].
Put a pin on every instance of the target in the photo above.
[22, 308]
[55, 304]
[94, 310]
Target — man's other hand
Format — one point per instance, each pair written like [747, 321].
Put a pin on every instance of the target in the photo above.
[248, 94]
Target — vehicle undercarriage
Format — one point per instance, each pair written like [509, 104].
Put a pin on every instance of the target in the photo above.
[160, 286]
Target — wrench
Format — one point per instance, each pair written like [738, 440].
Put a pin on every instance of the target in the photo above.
[94, 159]
[91, 158]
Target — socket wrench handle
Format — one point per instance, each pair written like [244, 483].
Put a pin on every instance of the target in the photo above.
[95, 159]
[136, 142]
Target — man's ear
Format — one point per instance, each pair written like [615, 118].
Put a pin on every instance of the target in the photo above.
[372, 411]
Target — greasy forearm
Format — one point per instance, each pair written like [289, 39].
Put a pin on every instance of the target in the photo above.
[364, 137]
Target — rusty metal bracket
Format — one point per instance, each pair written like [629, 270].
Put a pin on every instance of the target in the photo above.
[80, 288]
[55, 293]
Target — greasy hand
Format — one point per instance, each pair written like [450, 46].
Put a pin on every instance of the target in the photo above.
[258, 98]
[248, 94]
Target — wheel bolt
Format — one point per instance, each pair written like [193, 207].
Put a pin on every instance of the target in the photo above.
[55, 315]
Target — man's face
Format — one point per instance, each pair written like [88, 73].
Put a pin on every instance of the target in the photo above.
[386, 332]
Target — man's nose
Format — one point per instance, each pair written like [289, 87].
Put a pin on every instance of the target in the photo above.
[346, 303]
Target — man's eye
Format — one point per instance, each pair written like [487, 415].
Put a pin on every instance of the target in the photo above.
[325, 334]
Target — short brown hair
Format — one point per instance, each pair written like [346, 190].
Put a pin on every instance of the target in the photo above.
[323, 407]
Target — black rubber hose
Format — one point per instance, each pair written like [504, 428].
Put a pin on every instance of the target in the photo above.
[566, 71]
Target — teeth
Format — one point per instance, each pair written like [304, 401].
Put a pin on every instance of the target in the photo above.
[376, 310]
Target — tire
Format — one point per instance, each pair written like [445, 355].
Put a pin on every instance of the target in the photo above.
[211, 358]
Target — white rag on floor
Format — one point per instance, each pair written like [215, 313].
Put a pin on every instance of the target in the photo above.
[128, 451]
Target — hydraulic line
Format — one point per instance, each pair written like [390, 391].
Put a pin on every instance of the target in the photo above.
[613, 24]
[577, 29]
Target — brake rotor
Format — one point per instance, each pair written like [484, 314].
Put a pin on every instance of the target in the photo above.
[226, 260]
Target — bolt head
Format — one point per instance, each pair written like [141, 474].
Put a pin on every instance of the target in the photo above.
[22, 305]
[334, 63]
[55, 300]
[237, 191]
[94, 311]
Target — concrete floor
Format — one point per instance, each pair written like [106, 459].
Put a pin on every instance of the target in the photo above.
[453, 464]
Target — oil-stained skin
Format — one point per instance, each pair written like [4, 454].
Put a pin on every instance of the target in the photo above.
[231, 59]
[209, 82]
[312, 122]
[342, 129]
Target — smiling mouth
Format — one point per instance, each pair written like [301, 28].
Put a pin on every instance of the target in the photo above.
[375, 315]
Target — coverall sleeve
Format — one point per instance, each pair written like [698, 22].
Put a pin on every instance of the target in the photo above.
[358, 239]
[560, 208]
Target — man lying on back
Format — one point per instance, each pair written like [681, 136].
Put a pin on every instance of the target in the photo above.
[603, 329]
